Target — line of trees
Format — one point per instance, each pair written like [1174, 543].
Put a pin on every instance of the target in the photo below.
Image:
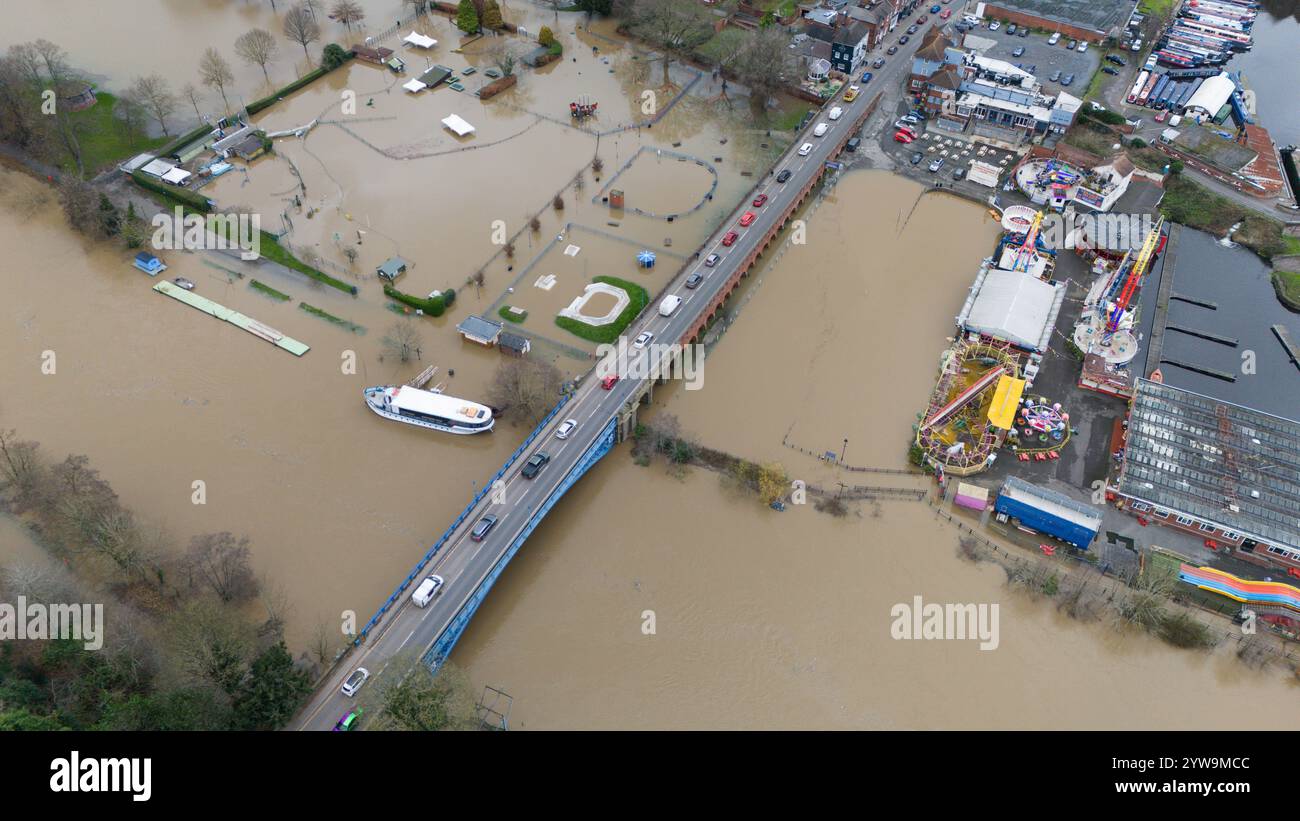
[180, 651]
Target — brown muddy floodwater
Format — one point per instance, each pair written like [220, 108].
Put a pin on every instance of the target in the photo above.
[763, 619]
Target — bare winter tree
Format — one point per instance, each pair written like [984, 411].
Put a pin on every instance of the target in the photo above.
[503, 56]
[301, 27]
[154, 95]
[347, 12]
[46, 65]
[527, 388]
[402, 341]
[20, 466]
[765, 66]
[676, 27]
[220, 561]
[257, 47]
[215, 72]
[191, 93]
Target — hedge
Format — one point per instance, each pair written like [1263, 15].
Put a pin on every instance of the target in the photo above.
[609, 333]
[432, 307]
[306, 79]
[184, 139]
[181, 196]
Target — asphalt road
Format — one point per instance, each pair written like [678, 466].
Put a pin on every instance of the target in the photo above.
[464, 563]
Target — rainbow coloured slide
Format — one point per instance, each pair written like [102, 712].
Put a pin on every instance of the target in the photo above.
[1271, 594]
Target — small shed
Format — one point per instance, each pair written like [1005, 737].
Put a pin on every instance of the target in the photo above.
[514, 344]
[149, 263]
[176, 176]
[378, 56]
[392, 268]
[481, 330]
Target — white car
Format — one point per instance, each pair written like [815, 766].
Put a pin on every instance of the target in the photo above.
[566, 428]
[820, 130]
[354, 681]
[642, 340]
[805, 149]
[994, 26]
[1083, 46]
[1054, 39]
[835, 113]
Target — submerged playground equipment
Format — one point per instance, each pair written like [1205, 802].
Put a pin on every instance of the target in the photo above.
[972, 407]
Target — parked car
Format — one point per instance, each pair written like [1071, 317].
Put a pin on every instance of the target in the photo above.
[805, 149]
[565, 430]
[1110, 71]
[994, 26]
[609, 381]
[484, 527]
[782, 177]
[348, 721]
[1018, 52]
[878, 62]
[866, 77]
[910, 30]
[1083, 46]
[934, 9]
[1137, 45]
[1056, 76]
[712, 259]
[1160, 116]
[936, 164]
[917, 156]
[747, 219]
[903, 137]
[1024, 32]
[1011, 30]
[902, 41]
[1070, 45]
[851, 94]
[730, 239]
[534, 465]
[1067, 79]
[835, 113]
[354, 681]
[852, 144]
[904, 125]
[922, 19]
[891, 50]
[1116, 59]
[644, 338]
[1054, 39]
[959, 173]
[694, 280]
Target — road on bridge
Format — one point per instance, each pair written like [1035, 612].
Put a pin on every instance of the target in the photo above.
[464, 563]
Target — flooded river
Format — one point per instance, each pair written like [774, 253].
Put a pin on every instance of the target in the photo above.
[761, 619]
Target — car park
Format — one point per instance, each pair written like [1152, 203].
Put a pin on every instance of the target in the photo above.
[485, 525]
[566, 428]
[760, 200]
[917, 156]
[711, 260]
[730, 239]
[535, 464]
[1018, 52]
[348, 721]
[805, 149]
[428, 588]
[354, 681]
[747, 219]
[609, 381]
[694, 280]
[782, 177]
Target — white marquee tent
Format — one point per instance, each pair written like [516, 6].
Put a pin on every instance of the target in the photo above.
[458, 125]
[417, 39]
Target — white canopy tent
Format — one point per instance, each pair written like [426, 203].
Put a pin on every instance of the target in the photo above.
[414, 86]
[417, 39]
[458, 125]
[1012, 306]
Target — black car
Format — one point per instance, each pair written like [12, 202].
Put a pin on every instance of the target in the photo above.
[892, 50]
[902, 41]
[534, 465]
[1011, 30]
[1109, 70]
[910, 30]
[783, 176]
[694, 280]
[917, 157]
[484, 526]
[1116, 59]
[852, 144]
[959, 174]
[1067, 79]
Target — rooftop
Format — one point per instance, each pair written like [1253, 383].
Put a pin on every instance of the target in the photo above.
[1088, 14]
[1213, 460]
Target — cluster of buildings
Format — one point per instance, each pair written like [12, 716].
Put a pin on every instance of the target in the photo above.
[963, 91]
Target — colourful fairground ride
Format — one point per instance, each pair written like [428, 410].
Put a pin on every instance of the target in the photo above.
[1273, 602]
[972, 408]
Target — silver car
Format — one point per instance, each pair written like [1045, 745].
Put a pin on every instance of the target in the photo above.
[566, 428]
[355, 681]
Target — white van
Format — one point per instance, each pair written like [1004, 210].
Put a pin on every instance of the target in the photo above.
[426, 591]
[973, 19]
[669, 305]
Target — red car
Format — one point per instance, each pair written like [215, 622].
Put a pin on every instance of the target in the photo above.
[760, 200]
[608, 382]
[747, 219]
[903, 137]
[730, 238]
[922, 18]
[946, 14]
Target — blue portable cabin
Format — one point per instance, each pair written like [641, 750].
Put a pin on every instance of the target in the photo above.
[149, 263]
[1048, 512]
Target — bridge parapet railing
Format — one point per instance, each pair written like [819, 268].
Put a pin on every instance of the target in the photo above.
[459, 520]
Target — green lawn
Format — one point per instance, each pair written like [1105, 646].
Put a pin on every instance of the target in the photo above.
[1156, 8]
[609, 333]
[104, 138]
[1287, 285]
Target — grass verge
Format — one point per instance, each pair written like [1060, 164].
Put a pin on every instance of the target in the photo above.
[269, 291]
[340, 321]
[1287, 286]
[1197, 207]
